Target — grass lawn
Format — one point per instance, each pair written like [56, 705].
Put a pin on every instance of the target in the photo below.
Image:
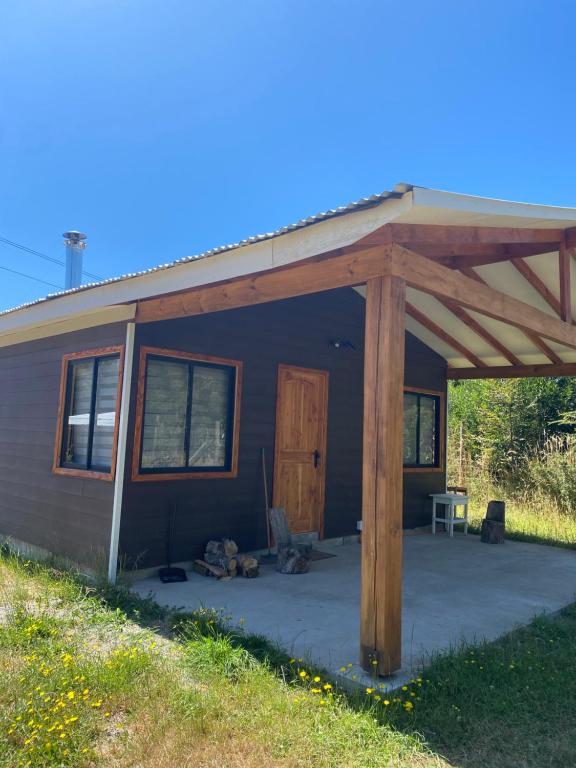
[104, 678]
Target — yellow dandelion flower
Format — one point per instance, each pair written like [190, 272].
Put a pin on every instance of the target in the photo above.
[369, 690]
[316, 679]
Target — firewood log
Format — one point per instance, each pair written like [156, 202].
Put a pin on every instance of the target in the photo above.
[207, 569]
[222, 561]
[248, 566]
[230, 547]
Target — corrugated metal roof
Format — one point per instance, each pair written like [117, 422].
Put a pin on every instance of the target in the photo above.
[358, 205]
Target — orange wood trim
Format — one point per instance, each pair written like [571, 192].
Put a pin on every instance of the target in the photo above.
[442, 419]
[430, 325]
[140, 477]
[564, 264]
[323, 437]
[533, 337]
[56, 468]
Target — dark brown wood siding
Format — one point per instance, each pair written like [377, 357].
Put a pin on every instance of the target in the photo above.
[296, 332]
[66, 515]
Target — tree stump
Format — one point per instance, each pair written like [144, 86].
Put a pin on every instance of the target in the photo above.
[493, 526]
[291, 560]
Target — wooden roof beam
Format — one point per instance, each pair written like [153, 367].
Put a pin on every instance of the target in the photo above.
[439, 234]
[533, 337]
[538, 285]
[474, 255]
[425, 275]
[431, 326]
[512, 371]
[479, 330]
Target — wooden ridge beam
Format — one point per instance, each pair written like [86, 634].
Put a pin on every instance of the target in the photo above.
[479, 330]
[431, 326]
[512, 371]
[532, 337]
[427, 276]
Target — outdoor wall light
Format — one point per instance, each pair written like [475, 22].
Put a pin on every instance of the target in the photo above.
[341, 344]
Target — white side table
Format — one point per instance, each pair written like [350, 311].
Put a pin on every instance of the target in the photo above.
[449, 501]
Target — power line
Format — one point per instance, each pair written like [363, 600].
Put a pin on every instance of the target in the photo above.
[43, 256]
[30, 277]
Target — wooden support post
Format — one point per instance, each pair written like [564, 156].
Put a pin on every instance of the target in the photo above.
[381, 598]
[564, 265]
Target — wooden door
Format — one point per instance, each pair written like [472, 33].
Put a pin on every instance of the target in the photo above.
[300, 453]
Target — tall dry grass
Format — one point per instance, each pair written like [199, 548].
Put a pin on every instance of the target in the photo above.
[540, 491]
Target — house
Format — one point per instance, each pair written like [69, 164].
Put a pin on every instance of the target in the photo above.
[324, 347]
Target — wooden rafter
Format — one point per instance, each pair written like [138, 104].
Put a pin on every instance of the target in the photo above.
[431, 326]
[427, 276]
[533, 337]
[479, 330]
[513, 371]
[538, 285]
[458, 257]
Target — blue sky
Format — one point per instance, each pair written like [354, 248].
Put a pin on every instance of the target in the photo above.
[165, 127]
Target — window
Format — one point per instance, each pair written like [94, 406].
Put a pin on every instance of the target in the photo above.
[423, 414]
[86, 439]
[188, 416]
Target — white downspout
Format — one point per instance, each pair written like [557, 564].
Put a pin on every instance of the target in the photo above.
[121, 452]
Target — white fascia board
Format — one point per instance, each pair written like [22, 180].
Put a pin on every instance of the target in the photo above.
[245, 260]
[76, 322]
[541, 215]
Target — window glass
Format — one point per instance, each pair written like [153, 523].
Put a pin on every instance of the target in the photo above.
[427, 446]
[105, 413]
[209, 416]
[410, 428]
[78, 421]
[90, 413]
[421, 438]
[187, 416]
[164, 429]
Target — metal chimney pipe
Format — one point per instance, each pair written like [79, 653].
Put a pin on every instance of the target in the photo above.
[74, 242]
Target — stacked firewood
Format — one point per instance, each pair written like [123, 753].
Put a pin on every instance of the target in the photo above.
[222, 560]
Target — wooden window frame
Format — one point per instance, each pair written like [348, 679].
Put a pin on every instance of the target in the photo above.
[137, 474]
[57, 467]
[441, 467]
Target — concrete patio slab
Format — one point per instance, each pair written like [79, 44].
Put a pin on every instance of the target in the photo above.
[454, 590]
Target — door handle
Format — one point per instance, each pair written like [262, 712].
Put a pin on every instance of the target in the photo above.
[316, 456]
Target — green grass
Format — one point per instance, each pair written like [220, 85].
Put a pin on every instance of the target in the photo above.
[154, 688]
[529, 520]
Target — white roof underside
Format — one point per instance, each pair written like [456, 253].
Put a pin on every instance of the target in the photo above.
[334, 229]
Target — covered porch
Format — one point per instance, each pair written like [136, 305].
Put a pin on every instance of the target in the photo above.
[454, 590]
